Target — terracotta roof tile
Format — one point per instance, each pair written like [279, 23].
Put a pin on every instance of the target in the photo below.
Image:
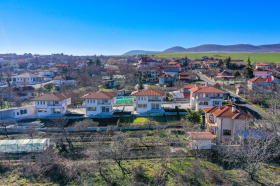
[55, 96]
[201, 135]
[100, 95]
[206, 89]
[225, 111]
[258, 80]
[148, 92]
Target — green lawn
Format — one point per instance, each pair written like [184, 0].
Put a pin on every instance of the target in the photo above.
[255, 57]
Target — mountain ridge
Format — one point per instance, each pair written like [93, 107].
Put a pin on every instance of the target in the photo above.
[215, 48]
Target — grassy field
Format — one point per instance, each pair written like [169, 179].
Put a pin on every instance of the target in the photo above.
[255, 57]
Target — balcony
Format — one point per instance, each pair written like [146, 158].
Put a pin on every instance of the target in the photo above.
[52, 104]
[154, 100]
[216, 97]
[104, 103]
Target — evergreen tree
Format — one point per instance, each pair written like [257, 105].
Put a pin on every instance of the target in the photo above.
[220, 63]
[90, 62]
[227, 61]
[97, 61]
[237, 74]
[248, 72]
[186, 61]
[140, 87]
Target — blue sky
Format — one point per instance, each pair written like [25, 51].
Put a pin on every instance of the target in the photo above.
[89, 27]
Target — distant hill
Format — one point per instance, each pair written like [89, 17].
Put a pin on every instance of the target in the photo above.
[216, 48]
[132, 52]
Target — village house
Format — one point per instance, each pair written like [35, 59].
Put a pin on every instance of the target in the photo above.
[147, 100]
[22, 93]
[63, 80]
[167, 79]
[263, 72]
[211, 64]
[186, 91]
[111, 84]
[194, 65]
[27, 79]
[146, 62]
[18, 112]
[258, 84]
[99, 103]
[225, 121]
[201, 140]
[149, 75]
[206, 96]
[48, 74]
[185, 76]
[172, 69]
[225, 75]
[262, 65]
[53, 104]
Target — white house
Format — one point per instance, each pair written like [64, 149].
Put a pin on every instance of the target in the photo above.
[146, 62]
[172, 69]
[201, 140]
[27, 79]
[53, 104]
[205, 96]
[225, 121]
[18, 112]
[48, 74]
[63, 80]
[147, 100]
[99, 103]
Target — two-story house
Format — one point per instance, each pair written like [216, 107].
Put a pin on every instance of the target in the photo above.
[99, 103]
[258, 84]
[263, 72]
[149, 75]
[206, 96]
[167, 79]
[172, 69]
[146, 62]
[147, 100]
[225, 121]
[53, 104]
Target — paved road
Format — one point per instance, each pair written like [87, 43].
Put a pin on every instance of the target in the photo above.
[36, 86]
[257, 113]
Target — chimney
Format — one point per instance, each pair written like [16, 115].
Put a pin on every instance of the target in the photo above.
[206, 83]
[233, 108]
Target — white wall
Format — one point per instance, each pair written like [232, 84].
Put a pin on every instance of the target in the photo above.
[148, 101]
[98, 104]
[18, 112]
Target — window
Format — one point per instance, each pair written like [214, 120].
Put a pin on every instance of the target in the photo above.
[42, 110]
[91, 108]
[142, 105]
[216, 102]
[227, 132]
[155, 106]
[105, 109]
[56, 102]
[203, 103]
[21, 112]
[56, 110]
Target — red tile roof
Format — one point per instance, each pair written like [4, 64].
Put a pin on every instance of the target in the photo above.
[261, 69]
[206, 89]
[258, 80]
[225, 111]
[189, 86]
[173, 63]
[201, 135]
[148, 92]
[55, 96]
[100, 95]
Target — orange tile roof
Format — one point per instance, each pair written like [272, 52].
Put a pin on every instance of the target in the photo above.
[206, 89]
[261, 69]
[225, 111]
[55, 96]
[258, 80]
[148, 92]
[100, 95]
[201, 135]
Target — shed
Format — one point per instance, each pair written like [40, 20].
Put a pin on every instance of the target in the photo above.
[24, 145]
[201, 140]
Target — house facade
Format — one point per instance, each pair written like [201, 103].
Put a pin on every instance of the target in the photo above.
[146, 62]
[27, 79]
[173, 69]
[168, 79]
[18, 112]
[225, 121]
[263, 72]
[205, 96]
[201, 140]
[53, 104]
[63, 80]
[258, 84]
[147, 100]
[99, 103]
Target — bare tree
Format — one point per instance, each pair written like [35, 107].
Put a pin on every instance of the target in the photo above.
[4, 124]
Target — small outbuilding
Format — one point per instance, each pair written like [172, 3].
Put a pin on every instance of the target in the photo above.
[201, 140]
